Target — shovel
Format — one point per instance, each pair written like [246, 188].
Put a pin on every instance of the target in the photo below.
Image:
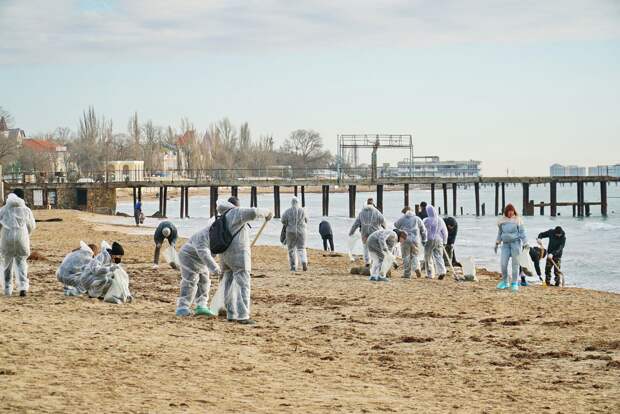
[259, 233]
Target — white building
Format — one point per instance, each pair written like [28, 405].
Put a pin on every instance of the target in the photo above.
[559, 170]
[434, 167]
[605, 170]
[126, 170]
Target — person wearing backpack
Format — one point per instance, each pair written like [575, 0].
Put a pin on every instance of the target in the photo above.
[236, 259]
[294, 220]
[196, 263]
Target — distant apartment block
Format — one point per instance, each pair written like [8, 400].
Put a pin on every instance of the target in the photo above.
[605, 170]
[558, 170]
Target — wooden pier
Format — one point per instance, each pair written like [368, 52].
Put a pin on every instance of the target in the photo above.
[581, 206]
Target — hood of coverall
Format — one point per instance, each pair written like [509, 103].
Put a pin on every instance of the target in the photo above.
[15, 212]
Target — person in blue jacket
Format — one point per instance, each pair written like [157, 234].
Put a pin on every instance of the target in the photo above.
[512, 239]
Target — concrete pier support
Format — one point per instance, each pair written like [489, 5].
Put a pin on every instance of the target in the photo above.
[352, 194]
[213, 194]
[276, 201]
[325, 203]
[253, 197]
[380, 197]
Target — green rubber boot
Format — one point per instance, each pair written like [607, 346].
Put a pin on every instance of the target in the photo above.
[203, 310]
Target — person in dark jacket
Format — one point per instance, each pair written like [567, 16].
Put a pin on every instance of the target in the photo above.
[453, 228]
[325, 230]
[165, 231]
[557, 240]
[536, 254]
[137, 213]
[422, 212]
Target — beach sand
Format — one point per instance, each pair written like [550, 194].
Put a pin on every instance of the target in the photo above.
[325, 341]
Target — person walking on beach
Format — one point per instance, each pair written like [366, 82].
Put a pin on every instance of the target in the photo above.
[557, 241]
[237, 259]
[381, 243]
[453, 227]
[416, 232]
[368, 221]
[325, 230]
[294, 220]
[512, 238]
[196, 262]
[137, 213]
[165, 231]
[17, 223]
[437, 236]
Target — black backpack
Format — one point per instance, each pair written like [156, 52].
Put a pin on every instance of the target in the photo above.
[220, 237]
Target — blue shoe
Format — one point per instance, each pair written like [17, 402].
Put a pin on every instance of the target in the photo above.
[383, 279]
[373, 278]
[514, 287]
[183, 312]
[524, 283]
[502, 285]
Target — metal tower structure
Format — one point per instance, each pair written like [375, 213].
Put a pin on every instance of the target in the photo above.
[372, 141]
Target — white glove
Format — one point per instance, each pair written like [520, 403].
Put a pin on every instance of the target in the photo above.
[539, 241]
[550, 256]
[269, 216]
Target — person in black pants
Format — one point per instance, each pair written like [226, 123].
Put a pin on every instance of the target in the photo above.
[557, 241]
[453, 228]
[536, 254]
[165, 231]
[325, 230]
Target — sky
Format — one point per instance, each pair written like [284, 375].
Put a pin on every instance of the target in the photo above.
[518, 85]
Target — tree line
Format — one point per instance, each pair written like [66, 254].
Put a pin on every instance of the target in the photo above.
[221, 146]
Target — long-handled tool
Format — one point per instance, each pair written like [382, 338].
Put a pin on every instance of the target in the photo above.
[557, 269]
[259, 233]
[449, 256]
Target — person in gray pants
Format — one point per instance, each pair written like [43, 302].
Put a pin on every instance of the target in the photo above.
[165, 231]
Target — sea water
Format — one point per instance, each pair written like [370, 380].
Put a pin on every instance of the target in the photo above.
[589, 259]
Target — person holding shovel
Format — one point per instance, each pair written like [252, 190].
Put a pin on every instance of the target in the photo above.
[557, 241]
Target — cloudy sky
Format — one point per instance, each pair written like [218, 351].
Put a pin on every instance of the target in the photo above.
[517, 84]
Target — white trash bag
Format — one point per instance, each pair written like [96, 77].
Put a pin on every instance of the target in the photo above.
[219, 299]
[119, 289]
[171, 256]
[526, 261]
[352, 243]
[386, 265]
[469, 269]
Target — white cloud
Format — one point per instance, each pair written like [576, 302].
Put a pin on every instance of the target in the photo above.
[97, 30]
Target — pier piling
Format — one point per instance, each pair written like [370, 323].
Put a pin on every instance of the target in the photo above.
[444, 189]
[213, 194]
[603, 198]
[352, 193]
[380, 197]
[276, 201]
[477, 197]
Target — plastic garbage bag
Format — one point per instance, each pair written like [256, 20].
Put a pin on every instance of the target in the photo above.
[469, 269]
[386, 265]
[219, 299]
[351, 245]
[119, 288]
[525, 260]
[171, 256]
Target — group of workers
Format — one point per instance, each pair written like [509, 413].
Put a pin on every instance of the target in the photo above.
[97, 272]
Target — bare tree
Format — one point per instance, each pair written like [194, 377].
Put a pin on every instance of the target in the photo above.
[135, 132]
[306, 147]
[86, 151]
[152, 144]
[8, 118]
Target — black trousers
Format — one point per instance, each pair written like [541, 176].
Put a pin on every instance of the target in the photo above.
[548, 267]
[329, 239]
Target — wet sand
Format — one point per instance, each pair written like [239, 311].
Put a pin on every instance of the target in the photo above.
[325, 341]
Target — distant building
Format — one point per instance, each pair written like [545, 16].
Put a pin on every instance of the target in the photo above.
[605, 170]
[11, 133]
[126, 170]
[558, 170]
[434, 167]
[55, 155]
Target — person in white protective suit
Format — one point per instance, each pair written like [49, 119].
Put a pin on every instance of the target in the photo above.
[17, 222]
[381, 243]
[294, 221]
[98, 275]
[368, 221]
[437, 236]
[196, 263]
[237, 260]
[70, 269]
[416, 233]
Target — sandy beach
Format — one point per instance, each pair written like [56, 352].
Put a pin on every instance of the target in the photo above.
[325, 341]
